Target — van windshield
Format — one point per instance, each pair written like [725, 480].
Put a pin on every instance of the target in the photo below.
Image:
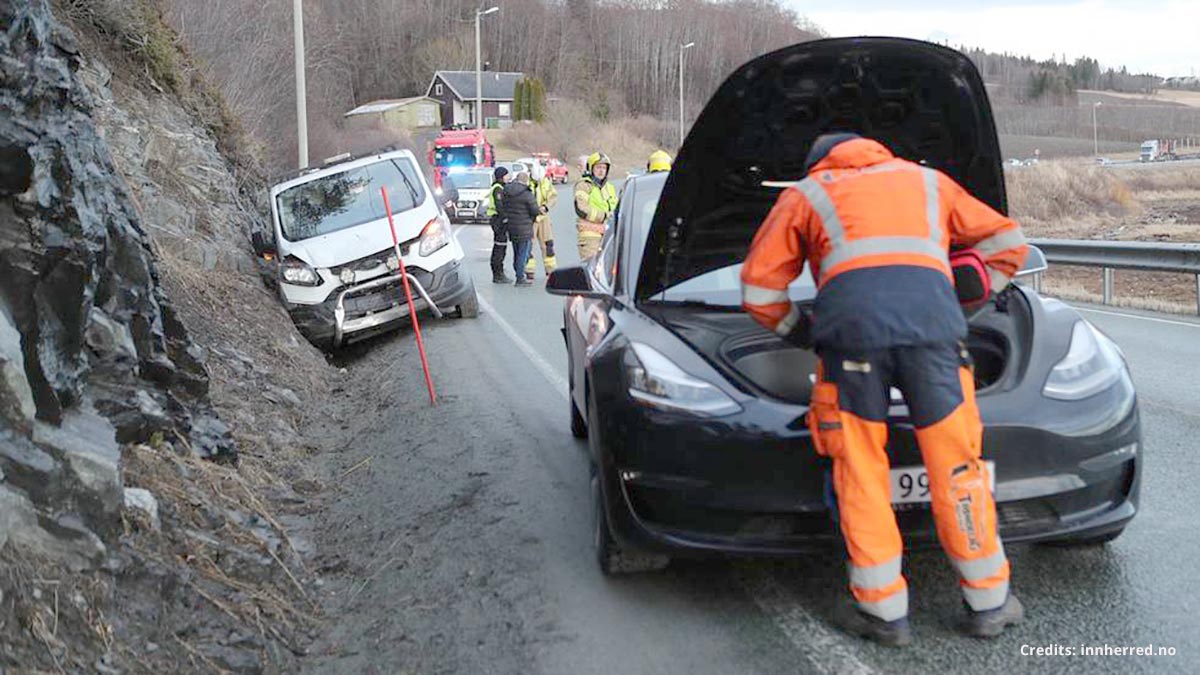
[341, 200]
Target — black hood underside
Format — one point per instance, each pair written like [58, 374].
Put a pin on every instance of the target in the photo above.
[925, 102]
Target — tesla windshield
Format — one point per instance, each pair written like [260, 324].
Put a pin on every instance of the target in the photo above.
[721, 286]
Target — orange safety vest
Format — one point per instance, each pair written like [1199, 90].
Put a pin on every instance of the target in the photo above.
[862, 207]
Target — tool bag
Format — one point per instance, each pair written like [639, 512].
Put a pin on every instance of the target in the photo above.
[971, 279]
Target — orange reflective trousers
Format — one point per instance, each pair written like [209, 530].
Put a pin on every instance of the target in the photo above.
[848, 420]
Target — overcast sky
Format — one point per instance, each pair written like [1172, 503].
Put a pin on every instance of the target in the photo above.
[1158, 36]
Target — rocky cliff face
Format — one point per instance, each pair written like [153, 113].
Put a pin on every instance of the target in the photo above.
[92, 355]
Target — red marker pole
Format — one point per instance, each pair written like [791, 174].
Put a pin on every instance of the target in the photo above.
[412, 311]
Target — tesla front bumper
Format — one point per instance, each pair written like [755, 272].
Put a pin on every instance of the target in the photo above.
[724, 486]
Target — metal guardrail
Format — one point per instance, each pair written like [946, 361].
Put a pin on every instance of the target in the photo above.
[1144, 256]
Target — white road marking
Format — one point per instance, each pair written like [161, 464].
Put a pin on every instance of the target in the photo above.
[558, 382]
[1139, 316]
[827, 650]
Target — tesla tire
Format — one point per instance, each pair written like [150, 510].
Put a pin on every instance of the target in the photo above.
[615, 559]
[579, 427]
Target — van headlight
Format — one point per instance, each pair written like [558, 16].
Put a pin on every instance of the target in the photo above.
[655, 381]
[297, 272]
[1093, 363]
[433, 237]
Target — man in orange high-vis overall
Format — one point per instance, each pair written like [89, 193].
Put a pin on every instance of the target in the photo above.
[876, 231]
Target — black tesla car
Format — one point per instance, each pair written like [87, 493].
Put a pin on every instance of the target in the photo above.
[695, 414]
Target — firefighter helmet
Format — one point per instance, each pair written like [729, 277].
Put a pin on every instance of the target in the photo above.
[659, 161]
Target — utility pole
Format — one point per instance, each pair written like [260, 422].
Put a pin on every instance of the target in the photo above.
[479, 13]
[681, 50]
[1095, 130]
[301, 87]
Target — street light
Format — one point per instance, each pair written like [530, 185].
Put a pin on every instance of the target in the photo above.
[1095, 130]
[301, 94]
[479, 68]
[681, 50]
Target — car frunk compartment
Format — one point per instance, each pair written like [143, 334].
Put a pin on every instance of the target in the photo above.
[765, 362]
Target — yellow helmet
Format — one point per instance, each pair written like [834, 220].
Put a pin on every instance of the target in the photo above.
[597, 158]
[659, 161]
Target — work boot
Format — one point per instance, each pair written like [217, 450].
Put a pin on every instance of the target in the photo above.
[856, 622]
[501, 278]
[991, 623]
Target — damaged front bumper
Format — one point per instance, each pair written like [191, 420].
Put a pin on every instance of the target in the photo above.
[355, 312]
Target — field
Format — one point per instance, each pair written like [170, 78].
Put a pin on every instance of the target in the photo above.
[1063, 200]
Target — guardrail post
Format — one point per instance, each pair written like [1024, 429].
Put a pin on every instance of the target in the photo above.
[1107, 292]
[1198, 294]
[1037, 282]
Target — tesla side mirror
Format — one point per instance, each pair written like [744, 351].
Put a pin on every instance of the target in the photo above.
[1035, 263]
[572, 280]
[263, 248]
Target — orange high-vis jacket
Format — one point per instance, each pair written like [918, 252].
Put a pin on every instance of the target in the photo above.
[861, 207]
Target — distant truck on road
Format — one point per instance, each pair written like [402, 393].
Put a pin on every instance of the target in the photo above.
[1156, 150]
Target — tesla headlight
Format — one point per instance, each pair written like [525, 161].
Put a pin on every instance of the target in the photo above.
[1093, 363]
[433, 237]
[297, 272]
[655, 381]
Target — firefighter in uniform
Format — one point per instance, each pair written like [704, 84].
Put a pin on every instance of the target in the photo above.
[499, 231]
[595, 200]
[875, 231]
[543, 229]
[659, 161]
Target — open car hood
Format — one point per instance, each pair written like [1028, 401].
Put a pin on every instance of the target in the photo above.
[925, 102]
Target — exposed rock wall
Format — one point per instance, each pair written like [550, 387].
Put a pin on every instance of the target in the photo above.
[92, 355]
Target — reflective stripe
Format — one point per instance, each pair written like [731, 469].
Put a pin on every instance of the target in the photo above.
[842, 251]
[881, 246]
[1001, 242]
[999, 279]
[933, 209]
[757, 295]
[788, 324]
[876, 576]
[890, 608]
[819, 199]
[983, 599]
[981, 568]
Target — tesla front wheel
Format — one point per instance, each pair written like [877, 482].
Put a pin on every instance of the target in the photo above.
[578, 424]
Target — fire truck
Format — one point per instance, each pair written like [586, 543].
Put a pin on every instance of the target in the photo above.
[460, 148]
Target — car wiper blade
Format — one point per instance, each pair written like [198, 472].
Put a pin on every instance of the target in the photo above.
[699, 304]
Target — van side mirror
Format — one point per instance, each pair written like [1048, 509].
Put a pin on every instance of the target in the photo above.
[572, 280]
[1035, 263]
[263, 247]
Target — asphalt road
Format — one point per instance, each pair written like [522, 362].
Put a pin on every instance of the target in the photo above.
[774, 616]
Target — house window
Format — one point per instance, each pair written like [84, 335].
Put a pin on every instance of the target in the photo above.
[437, 89]
[505, 110]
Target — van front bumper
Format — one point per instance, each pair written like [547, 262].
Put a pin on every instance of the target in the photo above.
[355, 312]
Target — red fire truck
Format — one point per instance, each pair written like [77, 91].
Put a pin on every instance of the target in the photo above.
[465, 148]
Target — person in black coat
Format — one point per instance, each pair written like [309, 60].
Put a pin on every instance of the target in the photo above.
[520, 209]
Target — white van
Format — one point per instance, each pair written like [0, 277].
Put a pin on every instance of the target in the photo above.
[334, 261]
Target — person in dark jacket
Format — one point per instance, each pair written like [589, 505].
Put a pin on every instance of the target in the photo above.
[499, 231]
[520, 209]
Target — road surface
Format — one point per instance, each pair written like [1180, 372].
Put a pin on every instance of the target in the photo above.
[470, 531]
